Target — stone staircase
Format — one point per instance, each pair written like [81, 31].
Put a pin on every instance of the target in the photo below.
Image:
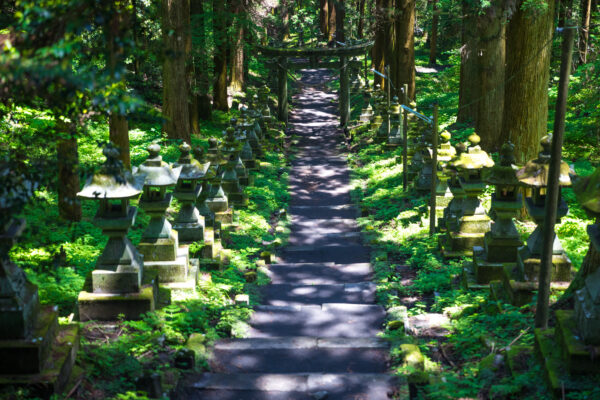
[315, 336]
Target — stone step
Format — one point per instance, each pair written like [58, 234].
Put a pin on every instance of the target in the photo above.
[342, 211]
[300, 354]
[323, 225]
[209, 386]
[329, 320]
[320, 273]
[285, 294]
[310, 240]
[341, 253]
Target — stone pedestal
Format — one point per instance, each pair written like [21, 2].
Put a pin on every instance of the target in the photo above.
[469, 227]
[160, 243]
[35, 351]
[119, 272]
[231, 185]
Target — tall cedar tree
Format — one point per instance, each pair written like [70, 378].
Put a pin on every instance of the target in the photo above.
[201, 89]
[220, 23]
[176, 27]
[237, 52]
[115, 32]
[404, 71]
[528, 50]
[468, 90]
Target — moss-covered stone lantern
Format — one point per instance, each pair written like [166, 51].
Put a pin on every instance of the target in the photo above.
[189, 224]
[396, 135]
[421, 162]
[452, 211]
[35, 350]
[231, 184]
[569, 351]
[473, 222]
[118, 284]
[217, 201]
[535, 175]
[502, 242]
[587, 299]
[446, 153]
[366, 113]
[160, 243]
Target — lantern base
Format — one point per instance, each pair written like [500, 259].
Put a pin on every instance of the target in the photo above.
[189, 232]
[529, 266]
[108, 307]
[162, 249]
[187, 287]
[238, 199]
[486, 271]
[171, 271]
[56, 368]
[569, 365]
[212, 245]
[224, 217]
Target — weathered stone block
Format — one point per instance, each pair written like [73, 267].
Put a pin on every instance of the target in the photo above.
[108, 307]
[160, 249]
[116, 282]
[171, 271]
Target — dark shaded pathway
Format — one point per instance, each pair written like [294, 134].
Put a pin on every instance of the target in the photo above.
[315, 335]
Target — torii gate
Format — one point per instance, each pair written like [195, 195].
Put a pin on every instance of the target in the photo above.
[282, 64]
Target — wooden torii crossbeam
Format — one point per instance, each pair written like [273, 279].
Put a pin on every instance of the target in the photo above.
[285, 59]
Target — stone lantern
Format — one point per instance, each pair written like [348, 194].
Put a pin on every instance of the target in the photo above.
[472, 224]
[535, 175]
[249, 128]
[396, 136]
[118, 283]
[189, 224]
[214, 155]
[35, 350]
[453, 209]
[569, 350]
[160, 243]
[446, 152]
[231, 184]
[217, 201]
[367, 112]
[421, 162]
[587, 299]
[502, 242]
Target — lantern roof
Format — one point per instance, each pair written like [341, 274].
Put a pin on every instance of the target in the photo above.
[112, 181]
[536, 172]
[587, 191]
[157, 172]
[474, 158]
[191, 169]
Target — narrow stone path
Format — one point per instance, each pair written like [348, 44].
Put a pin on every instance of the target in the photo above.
[314, 337]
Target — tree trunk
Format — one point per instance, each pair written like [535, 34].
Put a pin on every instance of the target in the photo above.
[135, 34]
[324, 17]
[380, 40]
[584, 31]
[434, 33]
[176, 24]
[237, 62]
[405, 44]
[117, 124]
[361, 19]
[340, 15]
[332, 13]
[200, 60]
[285, 20]
[528, 50]
[468, 88]
[220, 56]
[69, 206]
[490, 67]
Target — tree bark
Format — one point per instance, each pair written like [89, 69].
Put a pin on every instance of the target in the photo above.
[237, 62]
[434, 33]
[176, 25]
[220, 57]
[468, 88]
[69, 206]
[201, 91]
[118, 127]
[584, 31]
[490, 68]
[324, 17]
[528, 51]
[361, 19]
[340, 15]
[404, 65]
[380, 40]
[332, 13]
